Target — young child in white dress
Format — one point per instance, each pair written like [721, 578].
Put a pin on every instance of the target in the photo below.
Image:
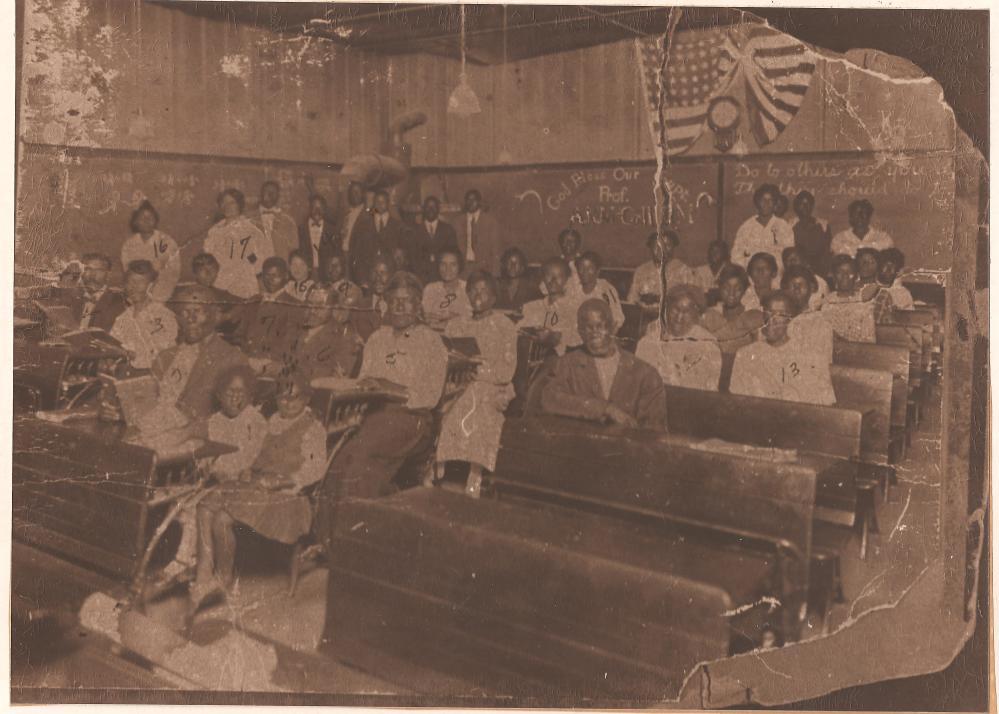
[554, 316]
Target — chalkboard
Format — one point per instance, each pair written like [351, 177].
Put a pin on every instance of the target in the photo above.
[913, 197]
[71, 202]
[611, 206]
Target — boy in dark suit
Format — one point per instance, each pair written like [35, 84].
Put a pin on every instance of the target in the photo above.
[317, 237]
[433, 237]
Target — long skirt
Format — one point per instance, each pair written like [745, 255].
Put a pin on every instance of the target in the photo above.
[279, 515]
[471, 429]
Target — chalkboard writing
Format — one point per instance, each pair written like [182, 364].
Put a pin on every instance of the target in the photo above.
[913, 197]
[70, 204]
[612, 207]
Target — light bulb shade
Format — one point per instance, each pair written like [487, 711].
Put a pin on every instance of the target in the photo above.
[463, 101]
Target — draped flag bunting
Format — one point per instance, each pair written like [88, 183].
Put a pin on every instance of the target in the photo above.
[776, 69]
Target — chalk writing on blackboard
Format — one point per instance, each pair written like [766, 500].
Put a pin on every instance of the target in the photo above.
[879, 177]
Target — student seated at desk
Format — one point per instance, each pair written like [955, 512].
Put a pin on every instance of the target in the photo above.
[471, 427]
[369, 314]
[646, 284]
[239, 246]
[187, 372]
[299, 275]
[603, 383]
[147, 326]
[779, 367]
[890, 264]
[554, 315]
[570, 244]
[327, 345]
[793, 258]
[402, 355]
[515, 288]
[446, 299]
[867, 266]
[687, 355]
[809, 327]
[267, 496]
[93, 304]
[762, 273]
[238, 424]
[149, 243]
[811, 234]
[706, 276]
[589, 284]
[860, 234]
[269, 320]
[849, 309]
[205, 268]
[732, 324]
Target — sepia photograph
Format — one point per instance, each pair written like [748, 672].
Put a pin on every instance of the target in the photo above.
[460, 356]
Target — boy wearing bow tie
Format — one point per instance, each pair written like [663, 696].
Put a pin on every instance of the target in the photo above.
[277, 225]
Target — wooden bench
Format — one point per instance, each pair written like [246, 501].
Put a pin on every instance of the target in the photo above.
[888, 358]
[516, 598]
[670, 479]
[870, 391]
[910, 338]
[81, 492]
[807, 428]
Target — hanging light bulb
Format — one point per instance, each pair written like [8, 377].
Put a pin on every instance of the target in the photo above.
[463, 101]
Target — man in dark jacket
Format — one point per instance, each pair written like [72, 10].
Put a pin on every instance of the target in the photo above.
[317, 237]
[93, 304]
[433, 236]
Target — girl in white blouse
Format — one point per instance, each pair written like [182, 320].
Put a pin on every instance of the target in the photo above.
[147, 242]
[147, 326]
[446, 298]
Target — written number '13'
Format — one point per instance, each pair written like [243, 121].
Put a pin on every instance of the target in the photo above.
[789, 372]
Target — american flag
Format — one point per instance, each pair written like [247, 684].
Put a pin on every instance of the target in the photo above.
[694, 78]
[777, 70]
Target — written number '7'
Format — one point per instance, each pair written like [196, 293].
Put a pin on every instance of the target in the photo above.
[243, 242]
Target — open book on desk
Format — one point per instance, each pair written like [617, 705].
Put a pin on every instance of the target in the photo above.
[136, 395]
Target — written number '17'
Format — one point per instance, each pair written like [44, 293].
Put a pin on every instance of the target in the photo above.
[242, 253]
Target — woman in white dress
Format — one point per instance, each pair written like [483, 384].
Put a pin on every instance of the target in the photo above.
[688, 354]
[472, 426]
[764, 232]
[147, 242]
[147, 326]
[447, 298]
[239, 246]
